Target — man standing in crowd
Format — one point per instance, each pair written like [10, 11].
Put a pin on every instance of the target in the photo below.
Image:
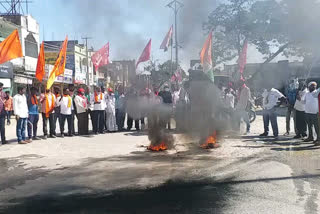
[57, 114]
[120, 109]
[99, 108]
[167, 100]
[131, 109]
[228, 99]
[312, 110]
[3, 98]
[299, 107]
[47, 101]
[81, 104]
[8, 105]
[65, 103]
[291, 93]
[243, 100]
[270, 100]
[111, 111]
[105, 95]
[33, 119]
[73, 110]
[20, 108]
[90, 105]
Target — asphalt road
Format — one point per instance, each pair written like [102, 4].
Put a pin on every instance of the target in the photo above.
[114, 173]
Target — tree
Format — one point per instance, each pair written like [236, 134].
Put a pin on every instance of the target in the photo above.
[290, 25]
[160, 73]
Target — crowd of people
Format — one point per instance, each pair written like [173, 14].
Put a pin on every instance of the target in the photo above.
[301, 101]
[106, 109]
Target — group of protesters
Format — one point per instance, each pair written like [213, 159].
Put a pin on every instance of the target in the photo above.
[106, 109]
[302, 101]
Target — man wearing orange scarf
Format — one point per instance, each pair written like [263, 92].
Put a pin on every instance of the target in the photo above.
[33, 119]
[47, 101]
[98, 101]
[65, 103]
[81, 103]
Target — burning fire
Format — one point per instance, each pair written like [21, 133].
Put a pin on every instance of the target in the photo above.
[211, 142]
[158, 148]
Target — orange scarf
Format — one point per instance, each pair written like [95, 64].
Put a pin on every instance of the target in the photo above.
[96, 99]
[48, 109]
[34, 100]
[69, 100]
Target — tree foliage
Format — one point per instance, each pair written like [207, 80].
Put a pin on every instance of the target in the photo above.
[160, 73]
[267, 24]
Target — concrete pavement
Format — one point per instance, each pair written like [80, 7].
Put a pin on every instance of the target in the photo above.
[114, 173]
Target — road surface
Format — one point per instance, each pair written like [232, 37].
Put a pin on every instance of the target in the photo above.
[114, 173]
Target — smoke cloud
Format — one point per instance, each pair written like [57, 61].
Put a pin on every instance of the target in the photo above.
[191, 19]
[128, 25]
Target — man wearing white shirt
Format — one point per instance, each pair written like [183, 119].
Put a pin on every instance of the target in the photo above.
[21, 111]
[111, 111]
[98, 100]
[65, 103]
[270, 101]
[241, 108]
[81, 103]
[300, 121]
[312, 110]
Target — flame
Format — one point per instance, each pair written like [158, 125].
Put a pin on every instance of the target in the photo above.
[211, 141]
[161, 147]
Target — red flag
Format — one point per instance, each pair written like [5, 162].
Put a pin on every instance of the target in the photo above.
[243, 58]
[167, 40]
[40, 72]
[145, 56]
[101, 57]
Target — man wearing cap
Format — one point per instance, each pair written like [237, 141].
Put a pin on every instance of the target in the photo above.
[311, 112]
[81, 103]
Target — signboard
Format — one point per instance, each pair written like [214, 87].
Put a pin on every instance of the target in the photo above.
[6, 83]
[51, 58]
[6, 70]
[22, 80]
[66, 78]
[80, 76]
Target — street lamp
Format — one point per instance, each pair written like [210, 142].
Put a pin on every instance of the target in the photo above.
[176, 6]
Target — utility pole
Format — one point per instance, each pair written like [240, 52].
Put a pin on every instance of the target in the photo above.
[87, 53]
[175, 5]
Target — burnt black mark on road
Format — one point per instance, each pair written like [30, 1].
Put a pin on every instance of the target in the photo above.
[13, 173]
[172, 197]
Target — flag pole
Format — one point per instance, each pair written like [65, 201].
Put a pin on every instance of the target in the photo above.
[171, 57]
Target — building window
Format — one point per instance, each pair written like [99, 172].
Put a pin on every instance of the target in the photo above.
[31, 46]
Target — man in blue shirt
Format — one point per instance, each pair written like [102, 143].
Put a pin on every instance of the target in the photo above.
[33, 106]
[291, 94]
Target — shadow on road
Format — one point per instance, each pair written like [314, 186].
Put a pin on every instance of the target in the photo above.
[171, 197]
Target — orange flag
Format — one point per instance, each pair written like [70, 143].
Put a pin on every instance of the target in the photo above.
[60, 64]
[206, 57]
[10, 48]
[40, 72]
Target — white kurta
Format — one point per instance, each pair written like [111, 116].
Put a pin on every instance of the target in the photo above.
[111, 113]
